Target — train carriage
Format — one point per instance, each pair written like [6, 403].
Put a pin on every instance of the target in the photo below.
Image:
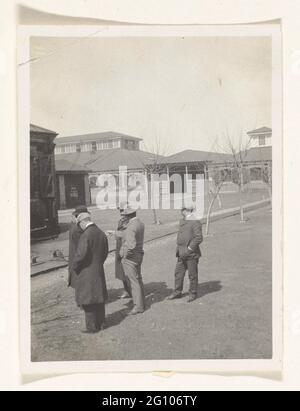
[43, 208]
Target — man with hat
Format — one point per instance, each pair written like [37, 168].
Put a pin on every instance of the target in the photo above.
[118, 233]
[132, 254]
[74, 235]
[188, 252]
[90, 286]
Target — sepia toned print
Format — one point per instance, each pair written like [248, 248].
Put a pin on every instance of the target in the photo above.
[152, 187]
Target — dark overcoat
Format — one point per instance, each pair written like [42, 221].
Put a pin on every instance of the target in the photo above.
[119, 271]
[91, 254]
[189, 239]
[74, 235]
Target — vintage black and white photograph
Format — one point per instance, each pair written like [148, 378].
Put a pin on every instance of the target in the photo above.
[150, 193]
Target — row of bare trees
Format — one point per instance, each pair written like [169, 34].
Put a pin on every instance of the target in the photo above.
[232, 169]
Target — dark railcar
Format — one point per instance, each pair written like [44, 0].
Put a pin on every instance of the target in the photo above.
[43, 209]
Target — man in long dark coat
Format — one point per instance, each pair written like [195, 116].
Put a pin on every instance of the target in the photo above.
[188, 253]
[74, 235]
[90, 287]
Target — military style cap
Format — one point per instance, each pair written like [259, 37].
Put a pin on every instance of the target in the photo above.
[80, 209]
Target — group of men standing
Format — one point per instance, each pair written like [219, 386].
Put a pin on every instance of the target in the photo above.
[88, 251]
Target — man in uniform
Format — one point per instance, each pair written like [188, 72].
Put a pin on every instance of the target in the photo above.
[90, 286]
[188, 253]
[119, 270]
[132, 254]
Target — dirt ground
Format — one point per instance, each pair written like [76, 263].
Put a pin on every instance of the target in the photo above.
[231, 319]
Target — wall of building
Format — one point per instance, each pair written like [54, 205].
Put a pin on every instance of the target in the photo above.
[68, 182]
[108, 144]
[255, 142]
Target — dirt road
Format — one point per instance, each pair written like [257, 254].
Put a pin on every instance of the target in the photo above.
[230, 319]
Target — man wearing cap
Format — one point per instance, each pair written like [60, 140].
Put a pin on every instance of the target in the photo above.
[132, 254]
[118, 234]
[90, 287]
[188, 253]
[74, 235]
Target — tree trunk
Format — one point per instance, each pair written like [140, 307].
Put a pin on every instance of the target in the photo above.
[269, 183]
[208, 218]
[154, 216]
[219, 200]
[241, 205]
[210, 210]
[270, 191]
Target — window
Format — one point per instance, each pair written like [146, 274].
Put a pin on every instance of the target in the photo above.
[70, 148]
[100, 145]
[86, 147]
[78, 148]
[262, 141]
[94, 146]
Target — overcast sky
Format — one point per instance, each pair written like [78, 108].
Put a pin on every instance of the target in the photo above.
[183, 91]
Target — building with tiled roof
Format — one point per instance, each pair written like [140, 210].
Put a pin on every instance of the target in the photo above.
[261, 137]
[109, 161]
[192, 156]
[96, 142]
[99, 159]
[258, 154]
[41, 130]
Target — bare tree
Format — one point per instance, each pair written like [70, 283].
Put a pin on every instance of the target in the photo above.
[155, 166]
[267, 178]
[218, 177]
[240, 175]
[236, 163]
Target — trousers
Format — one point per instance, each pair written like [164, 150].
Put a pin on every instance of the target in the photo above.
[127, 287]
[94, 316]
[133, 273]
[181, 267]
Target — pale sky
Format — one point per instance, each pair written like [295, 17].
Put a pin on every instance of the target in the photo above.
[184, 92]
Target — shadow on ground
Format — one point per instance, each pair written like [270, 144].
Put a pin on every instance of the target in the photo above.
[116, 318]
[155, 292]
[209, 287]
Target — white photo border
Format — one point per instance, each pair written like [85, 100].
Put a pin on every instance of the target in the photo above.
[237, 367]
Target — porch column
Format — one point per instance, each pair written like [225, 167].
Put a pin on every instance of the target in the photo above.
[168, 180]
[87, 191]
